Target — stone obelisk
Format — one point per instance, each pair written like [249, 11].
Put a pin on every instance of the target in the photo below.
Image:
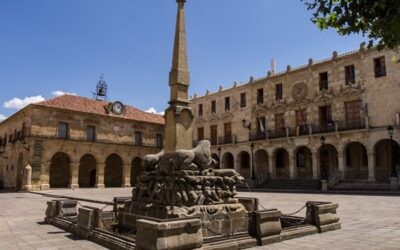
[179, 116]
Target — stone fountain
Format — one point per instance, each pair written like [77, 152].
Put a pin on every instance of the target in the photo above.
[183, 200]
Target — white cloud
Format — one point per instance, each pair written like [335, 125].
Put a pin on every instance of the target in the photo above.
[59, 92]
[18, 103]
[154, 111]
[2, 117]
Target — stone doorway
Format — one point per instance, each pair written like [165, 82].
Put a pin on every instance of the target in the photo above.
[113, 171]
[329, 157]
[87, 166]
[356, 161]
[281, 163]
[244, 164]
[384, 158]
[261, 162]
[303, 163]
[60, 170]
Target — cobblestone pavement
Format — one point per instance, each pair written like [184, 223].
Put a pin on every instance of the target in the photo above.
[368, 222]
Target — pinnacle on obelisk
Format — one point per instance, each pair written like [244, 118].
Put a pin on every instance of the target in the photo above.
[179, 116]
[179, 77]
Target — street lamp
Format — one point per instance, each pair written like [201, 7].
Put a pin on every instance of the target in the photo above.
[253, 174]
[219, 157]
[393, 166]
[323, 170]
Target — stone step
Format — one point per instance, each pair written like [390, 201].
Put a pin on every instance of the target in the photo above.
[291, 184]
[362, 185]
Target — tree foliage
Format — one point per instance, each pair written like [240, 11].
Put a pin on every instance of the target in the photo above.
[378, 19]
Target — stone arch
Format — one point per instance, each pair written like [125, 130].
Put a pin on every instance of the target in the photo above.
[328, 157]
[228, 161]
[384, 158]
[261, 162]
[87, 171]
[60, 170]
[20, 171]
[244, 163]
[113, 171]
[281, 163]
[356, 160]
[136, 170]
[303, 162]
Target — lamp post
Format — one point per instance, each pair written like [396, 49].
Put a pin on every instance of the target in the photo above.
[253, 174]
[392, 163]
[219, 157]
[323, 160]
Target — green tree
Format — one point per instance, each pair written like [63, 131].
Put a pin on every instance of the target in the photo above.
[378, 19]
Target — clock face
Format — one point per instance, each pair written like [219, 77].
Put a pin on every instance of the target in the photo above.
[117, 107]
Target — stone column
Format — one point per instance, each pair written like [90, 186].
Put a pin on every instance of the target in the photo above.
[73, 181]
[27, 178]
[341, 164]
[100, 175]
[371, 166]
[315, 166]
[45, 175]
[292, 166]
[126, 176]
[271, 166]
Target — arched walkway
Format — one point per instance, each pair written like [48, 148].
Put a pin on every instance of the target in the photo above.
[304, 163]
[20, 171]
[113, 171]
[328, 157]
[60, 170]
[87, 171]
[281, 163]
[384, 158]
[356, 161]
[244, 164]
[136, 171]
[261, 162]
[228, 161]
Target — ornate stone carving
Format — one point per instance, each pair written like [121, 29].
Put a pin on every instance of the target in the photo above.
[300, 91]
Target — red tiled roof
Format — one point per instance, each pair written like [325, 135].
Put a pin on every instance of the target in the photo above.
[87, 105]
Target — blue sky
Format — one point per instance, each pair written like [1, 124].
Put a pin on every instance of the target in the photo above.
[65, 45]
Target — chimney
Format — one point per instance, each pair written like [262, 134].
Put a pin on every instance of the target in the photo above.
[273, 66]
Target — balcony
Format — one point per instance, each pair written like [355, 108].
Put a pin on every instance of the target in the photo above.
[225, 140]
[309, 129]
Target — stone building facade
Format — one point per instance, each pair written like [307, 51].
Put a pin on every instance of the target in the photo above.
[276, 123]
[72, 141]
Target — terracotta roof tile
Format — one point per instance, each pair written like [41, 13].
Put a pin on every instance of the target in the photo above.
[87, 105]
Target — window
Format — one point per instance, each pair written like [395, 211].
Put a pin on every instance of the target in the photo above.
[228, 133]
[200, 134]
[260, 96]
[380, 66]
[325, 117]
[350, 76]
[159, 141]
[301, 122]
[90, 133]
[243, 100]
[227, 103]
[213, 134]
[213, 107]
[352, 111]
[280, 123]
[63, 130]
[200, 109]
[138, 138]
[323, 81]
[278, 92]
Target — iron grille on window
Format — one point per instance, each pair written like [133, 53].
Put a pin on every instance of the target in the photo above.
[323, 81]
[260, 96]
[380, 66]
